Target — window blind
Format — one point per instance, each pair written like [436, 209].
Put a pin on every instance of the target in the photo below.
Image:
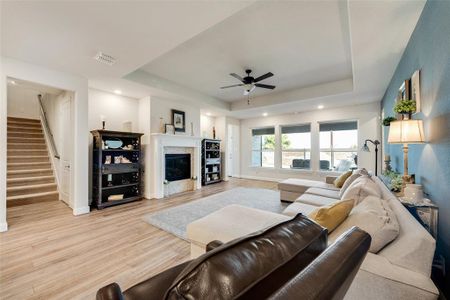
[338, 126]
[263, 131]
[296, 128]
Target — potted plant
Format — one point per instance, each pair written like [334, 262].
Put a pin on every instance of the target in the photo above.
[387, 121]
[405, 108]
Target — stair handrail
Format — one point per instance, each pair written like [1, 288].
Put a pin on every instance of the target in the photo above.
[47, 128]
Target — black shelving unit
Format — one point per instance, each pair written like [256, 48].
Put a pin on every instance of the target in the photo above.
[211, 162]
[123, 178]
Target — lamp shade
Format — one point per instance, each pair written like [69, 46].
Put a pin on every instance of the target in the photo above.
[406, 132]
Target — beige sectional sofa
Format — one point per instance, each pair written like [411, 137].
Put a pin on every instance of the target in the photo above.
[400, 270]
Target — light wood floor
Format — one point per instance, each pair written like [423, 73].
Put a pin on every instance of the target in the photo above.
[50, 254]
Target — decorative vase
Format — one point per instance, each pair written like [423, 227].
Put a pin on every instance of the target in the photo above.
[214, 133]
[406, 116]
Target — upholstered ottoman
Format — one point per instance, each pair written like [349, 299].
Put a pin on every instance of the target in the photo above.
[292, 188]
[227, 224]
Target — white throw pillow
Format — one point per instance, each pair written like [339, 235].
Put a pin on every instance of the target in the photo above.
[374, 216]
[347, 183]
[360, 188]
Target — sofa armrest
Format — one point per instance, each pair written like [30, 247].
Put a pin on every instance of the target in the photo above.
[330, 179]
[110, 292]
[377, 278]
[213, 245]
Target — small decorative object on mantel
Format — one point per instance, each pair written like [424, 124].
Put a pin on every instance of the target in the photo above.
[192, 129]
[170, 129]
[162, 127]
[214, 132]
[387, 121]
[178, 120]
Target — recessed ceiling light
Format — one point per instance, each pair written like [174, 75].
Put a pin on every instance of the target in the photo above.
[118, 92]
[320, 106]
[265, 114]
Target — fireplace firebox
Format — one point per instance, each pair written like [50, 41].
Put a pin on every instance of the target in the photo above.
[178, 166]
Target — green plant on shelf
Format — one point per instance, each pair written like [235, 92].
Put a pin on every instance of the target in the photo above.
[406, 106]
[387, 121]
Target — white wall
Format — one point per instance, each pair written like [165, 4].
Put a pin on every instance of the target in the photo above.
[79, 85]
[206, 126]
[22, 102]
[116, 109]
[368, 128]
[161, 108]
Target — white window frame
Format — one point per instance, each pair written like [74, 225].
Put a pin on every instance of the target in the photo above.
[333, 150]
[263, 150]
[295, 150]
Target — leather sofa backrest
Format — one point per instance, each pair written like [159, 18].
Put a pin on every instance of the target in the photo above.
[329, 276]
[254, 266]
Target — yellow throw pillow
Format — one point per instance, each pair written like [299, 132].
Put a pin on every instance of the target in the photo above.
[332, 215]
[339, 182]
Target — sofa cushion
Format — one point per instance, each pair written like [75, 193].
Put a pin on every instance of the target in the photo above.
[362, 187]
[301, 185]
[298, 208]
[332, 215]
[347, 183]
[284, 249]
[374, 216]
[315, 200]
[323, 192]
[339, 182]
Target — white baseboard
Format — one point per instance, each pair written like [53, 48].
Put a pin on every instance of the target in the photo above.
[3, 227]
[81, 210]
[260, 178]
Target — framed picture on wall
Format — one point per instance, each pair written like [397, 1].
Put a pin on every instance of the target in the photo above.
[179, 120]
[415, 89]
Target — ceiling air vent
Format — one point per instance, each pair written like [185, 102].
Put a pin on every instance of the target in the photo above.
[105, 58]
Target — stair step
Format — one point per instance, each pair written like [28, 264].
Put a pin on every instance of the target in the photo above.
[28, 166]
[30, 181]
[16, 119]
[22, 129]
[28, 159]
[21, 146]
[23, 140]
[24, 124]
[27, 152]
[25, 135]
[28, 173]
[31, 198]
[30, 189]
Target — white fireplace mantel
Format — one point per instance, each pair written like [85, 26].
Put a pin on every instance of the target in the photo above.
[159, 144]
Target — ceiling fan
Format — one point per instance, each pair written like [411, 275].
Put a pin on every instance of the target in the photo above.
[250, 83]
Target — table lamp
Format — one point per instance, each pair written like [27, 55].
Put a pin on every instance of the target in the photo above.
[406, 132]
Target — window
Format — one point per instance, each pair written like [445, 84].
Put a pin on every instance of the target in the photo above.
[263, 146]
[338, 146]
[296, 146]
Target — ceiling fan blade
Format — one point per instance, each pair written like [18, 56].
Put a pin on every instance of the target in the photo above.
[265, 86]
[262, 77]
[230, 86]
[237, 77]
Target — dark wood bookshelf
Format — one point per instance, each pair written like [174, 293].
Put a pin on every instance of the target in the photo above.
[112, 178]
[211, 161]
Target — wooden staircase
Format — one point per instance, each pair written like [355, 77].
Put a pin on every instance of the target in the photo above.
[30, 176]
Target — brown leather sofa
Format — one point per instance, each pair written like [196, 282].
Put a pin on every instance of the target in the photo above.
[287, 261]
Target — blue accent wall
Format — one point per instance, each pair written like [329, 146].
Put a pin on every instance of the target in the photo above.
[429, 50]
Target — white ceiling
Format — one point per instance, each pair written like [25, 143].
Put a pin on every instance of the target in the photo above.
[328, 52]
[302, 43]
